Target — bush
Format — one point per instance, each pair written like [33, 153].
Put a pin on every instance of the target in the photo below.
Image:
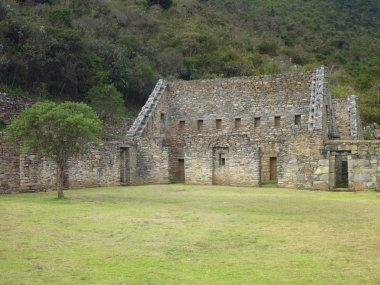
[106, 100]
[166, 4]
[269, 48]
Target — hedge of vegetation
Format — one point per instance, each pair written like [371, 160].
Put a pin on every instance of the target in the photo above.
[62, 48]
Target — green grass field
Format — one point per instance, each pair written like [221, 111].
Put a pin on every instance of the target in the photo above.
[177, 234]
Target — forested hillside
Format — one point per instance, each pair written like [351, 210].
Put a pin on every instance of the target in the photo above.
[63, 48]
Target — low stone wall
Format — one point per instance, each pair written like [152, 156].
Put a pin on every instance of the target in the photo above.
[97, 167]
[30, 173]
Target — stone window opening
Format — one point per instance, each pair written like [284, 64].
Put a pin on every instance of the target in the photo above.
[182, 125]
[162, 123]
[237, 123]
[199, 125]
[3, 125]
[218, 124]
[277, 121]
[297, 120]
[257, 122]
[222, 159]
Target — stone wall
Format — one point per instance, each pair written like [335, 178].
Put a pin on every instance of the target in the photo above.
[240, 167]
[239, 131]
[347, 120]
[149, 161]
[363, 162]
[30, 173]
[244, 98]
[96, 167]
[9, 168]
[11, 106]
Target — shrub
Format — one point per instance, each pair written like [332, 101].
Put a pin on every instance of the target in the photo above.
[106, 100]
[269, 48]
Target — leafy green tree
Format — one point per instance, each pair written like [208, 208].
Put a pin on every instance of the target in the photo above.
[106, 100]
[55, 130]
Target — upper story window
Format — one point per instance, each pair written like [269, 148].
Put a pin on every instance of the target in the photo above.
[182, 125]
[218, 124]
[162, 123]
[199, 125]
[297, 120]
[277, 121]
[257, 122]
[237, 123]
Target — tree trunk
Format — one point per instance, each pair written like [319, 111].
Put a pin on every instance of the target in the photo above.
[60, 176]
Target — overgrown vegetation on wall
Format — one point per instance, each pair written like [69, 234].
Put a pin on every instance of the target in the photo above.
[62, 48]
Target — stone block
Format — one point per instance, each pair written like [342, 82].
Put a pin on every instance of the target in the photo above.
[323, 162]
[322, 170]
[320, 185]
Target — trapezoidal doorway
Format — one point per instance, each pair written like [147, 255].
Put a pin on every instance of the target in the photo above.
[180, 171]
[341, 171]
[273, 169]
[220, 174]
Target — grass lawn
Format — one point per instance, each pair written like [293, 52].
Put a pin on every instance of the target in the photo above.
[177, 234]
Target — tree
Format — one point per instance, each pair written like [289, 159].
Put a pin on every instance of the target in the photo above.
[106, 100]
[55, 130]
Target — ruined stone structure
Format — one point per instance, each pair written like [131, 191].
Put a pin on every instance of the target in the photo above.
[30, 173]
[283, 129]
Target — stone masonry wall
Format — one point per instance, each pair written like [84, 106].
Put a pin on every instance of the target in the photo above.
[9, 168]
[96, 167]
[243, 98]
[342, 118]
[347, 119]
[30, 173]
[149, 161]
[242, 165]
[10, 107]
[363, 162]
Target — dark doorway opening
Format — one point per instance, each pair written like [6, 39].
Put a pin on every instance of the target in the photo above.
[273, 169]
[181, 170]
[341, 171]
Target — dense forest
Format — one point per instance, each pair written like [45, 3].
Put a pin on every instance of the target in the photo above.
[73, 49]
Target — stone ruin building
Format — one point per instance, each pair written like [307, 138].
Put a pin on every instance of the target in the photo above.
[282, 129]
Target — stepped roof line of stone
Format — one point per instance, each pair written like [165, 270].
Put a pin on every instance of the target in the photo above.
[147, 111]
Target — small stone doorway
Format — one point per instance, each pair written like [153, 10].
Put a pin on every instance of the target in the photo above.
[124, 166]
[181, 170]
[220, 175]
[341, 171]
[273, 169]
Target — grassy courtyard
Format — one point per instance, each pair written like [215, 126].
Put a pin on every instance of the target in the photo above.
[177, 234]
